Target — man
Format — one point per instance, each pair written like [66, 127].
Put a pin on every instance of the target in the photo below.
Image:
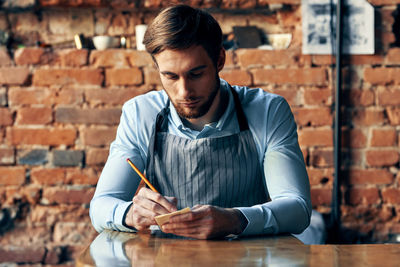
[228, 152]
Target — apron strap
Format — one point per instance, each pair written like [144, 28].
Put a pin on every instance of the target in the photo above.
[242, 120]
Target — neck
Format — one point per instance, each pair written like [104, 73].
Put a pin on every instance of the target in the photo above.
[214, 113]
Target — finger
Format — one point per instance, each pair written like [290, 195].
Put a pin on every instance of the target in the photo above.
[207, 222]
[166, 206]
[196, 213]
[142, 216]
[153, 208]
[172, 200]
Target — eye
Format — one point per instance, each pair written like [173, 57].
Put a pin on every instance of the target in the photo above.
[171, 76]
[195, 75]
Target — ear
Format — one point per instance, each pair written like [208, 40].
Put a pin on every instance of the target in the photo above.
[221, 60]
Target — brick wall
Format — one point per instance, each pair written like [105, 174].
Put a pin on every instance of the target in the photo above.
[59, 109]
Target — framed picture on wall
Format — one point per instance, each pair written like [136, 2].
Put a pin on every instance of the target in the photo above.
[319, 27]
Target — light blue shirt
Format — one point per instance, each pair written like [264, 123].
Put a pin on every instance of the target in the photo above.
[275, 134]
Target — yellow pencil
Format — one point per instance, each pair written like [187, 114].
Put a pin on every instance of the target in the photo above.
[141, 175]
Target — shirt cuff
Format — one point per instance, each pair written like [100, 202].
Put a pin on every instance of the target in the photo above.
[260, 220]
[119, 217]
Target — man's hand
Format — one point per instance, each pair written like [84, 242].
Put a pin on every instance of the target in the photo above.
[146, 205]
[205, 222]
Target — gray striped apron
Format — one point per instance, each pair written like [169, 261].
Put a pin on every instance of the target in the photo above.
[223, 171]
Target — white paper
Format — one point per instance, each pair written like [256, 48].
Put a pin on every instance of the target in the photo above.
[319, 27]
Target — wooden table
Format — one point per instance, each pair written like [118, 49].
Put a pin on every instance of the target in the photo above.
[143, 249]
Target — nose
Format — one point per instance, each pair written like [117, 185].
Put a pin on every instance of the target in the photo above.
[184, 90]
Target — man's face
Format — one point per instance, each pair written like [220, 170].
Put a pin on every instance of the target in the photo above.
[190, 79]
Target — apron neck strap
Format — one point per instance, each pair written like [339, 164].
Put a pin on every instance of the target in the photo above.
[243, 125]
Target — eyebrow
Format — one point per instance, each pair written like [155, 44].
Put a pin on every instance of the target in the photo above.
[191, 70]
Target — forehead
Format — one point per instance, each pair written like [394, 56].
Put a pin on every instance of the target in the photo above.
[182, 59]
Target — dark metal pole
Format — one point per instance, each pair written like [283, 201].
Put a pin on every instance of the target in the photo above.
[336, 196]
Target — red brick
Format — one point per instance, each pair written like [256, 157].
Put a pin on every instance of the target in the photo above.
[131, 76]
[380, 158]
[113, 96]
[382, 75]
[31, 194]
[369, 176]
[5, 117]
[323, 60]
[348, 60]
[7, 156]
[98, 136]
[13, 76]
[48, 176]
[383, 137]
[321, 196]
[62, 212]
[34, 115]
[393, 55]
[315, 137]
[354, 138]
[38, 236]
[29, 96]
[64, 195]
[290, 95]
[321, 158]
[364, 59]
[5, 59]
[257, 57]
[12, 175]
[383, 2]
[367, 117]
[389, 97]
[53, 255]
[393, 115]
[111, 58]
[237, 77]
[312, 76]
[69, 96]
[320, 176]
[304, 60]
[386, 38]
[52, 136]
[28, 56]
[86, 176]
[151, 76]
[228, 4]
[108, 116]
[96, 156]
[73, 57]
[356, 97]
[139, 58]
[313, 116]
[48, 77]
[363, 196]
[33, 254]
[318, 96]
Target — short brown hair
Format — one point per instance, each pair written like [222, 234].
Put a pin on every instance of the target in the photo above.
[180, 27]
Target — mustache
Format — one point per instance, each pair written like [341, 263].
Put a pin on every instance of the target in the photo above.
[189, 99]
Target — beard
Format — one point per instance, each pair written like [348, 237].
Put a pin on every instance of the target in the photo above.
[200, 111]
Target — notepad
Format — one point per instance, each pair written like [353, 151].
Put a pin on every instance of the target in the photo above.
[161, 219]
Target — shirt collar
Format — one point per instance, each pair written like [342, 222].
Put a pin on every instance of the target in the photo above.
[219, 125]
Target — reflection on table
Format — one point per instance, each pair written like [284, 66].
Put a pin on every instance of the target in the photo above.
[112, 248]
